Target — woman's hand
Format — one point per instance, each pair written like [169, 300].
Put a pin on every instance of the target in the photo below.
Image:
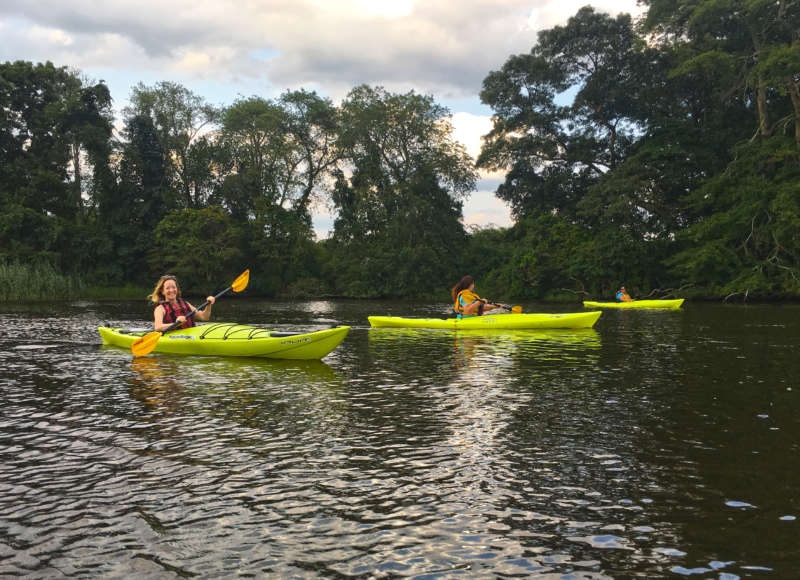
[210, 300]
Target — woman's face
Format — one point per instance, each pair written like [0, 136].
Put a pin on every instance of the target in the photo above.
[170, 290]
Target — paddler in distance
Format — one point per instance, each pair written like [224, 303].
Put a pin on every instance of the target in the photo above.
[623, 296]
[466, 302]
[170, 307]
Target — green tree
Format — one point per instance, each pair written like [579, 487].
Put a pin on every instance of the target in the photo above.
[130, 211]
[748, 242]
[182, 122]
[740, 212]
[553, 152]
[397, 225]
[200, 246]
[282, 154]
[51, 123]
[571, 124]
[398, 196]
[755, 43]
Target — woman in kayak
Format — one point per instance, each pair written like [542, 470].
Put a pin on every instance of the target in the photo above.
[622, 295]
[466, 302]
[171, 308]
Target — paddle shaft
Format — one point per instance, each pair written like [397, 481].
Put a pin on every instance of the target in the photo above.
[193, 312]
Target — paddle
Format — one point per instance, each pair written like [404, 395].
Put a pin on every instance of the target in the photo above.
[142, 346]
[511, 309]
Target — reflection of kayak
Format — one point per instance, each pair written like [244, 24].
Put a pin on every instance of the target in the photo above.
[489, 321]
[637, 304]
[229, 339]
[221, 370]
[556, 336]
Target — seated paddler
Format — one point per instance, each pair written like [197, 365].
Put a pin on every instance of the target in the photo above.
[171, 308]
[467, 303]
[623, 296]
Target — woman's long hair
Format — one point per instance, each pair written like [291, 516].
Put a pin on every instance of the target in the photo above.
[158, 292]
[463, 284]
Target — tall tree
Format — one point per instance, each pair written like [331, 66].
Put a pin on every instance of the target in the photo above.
[51, 123]
[757, 41]
[399, 195]
[282, 153]
[87, 124]
[313, 129]
[744, 210]
[131, 211]
[182, 121]
[552, 149]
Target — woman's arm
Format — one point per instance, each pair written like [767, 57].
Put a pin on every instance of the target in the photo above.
[473, 308]
[205, 313]
[158, 319]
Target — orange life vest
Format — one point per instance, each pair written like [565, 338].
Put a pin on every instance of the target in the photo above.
[469, 297]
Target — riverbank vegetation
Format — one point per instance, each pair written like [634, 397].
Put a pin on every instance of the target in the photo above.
[673, 166]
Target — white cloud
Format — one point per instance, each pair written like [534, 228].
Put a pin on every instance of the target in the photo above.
[445, 47]
[51, 36]
[484, 209]
[468, 130]
[225, 48]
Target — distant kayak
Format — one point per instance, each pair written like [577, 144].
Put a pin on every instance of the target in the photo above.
[490, 321]
[229, 339]
[668, 304]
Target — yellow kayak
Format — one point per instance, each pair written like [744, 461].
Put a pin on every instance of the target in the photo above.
[490, 321]
[668, 304]
[229, 339]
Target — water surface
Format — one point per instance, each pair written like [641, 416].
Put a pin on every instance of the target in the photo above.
[657, 444]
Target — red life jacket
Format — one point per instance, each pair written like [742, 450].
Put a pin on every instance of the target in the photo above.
[171, 313]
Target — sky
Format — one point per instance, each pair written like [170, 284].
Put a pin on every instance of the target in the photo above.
[225, 49]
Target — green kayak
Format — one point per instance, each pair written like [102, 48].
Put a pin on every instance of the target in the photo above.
[229, 339]
[668, 304]
[490, 321]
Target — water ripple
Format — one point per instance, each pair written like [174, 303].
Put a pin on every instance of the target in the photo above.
[618, 452]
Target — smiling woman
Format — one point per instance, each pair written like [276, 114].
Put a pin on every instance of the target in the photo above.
[171, 308]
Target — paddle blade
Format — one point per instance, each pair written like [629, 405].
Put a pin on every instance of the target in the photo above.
[516, 309]
[142, 346]
[241, 282]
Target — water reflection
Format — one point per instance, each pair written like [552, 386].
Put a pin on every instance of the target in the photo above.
[649, 446]
[156, 383]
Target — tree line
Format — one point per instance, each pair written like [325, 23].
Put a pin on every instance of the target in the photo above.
[663, 154]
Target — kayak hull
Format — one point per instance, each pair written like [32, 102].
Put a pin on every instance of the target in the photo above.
[229, 339]
[491, 321]
[664, 304]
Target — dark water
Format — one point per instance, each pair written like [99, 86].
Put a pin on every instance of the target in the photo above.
[658, 444]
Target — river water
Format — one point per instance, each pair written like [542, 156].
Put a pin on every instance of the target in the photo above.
[657, 444]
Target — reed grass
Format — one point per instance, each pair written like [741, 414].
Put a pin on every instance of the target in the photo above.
[20, 282]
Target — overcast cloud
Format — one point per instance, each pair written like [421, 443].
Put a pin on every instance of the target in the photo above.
[221, 49]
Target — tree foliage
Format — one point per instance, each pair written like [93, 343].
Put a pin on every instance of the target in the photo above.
[398, 196]
[662, 154]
